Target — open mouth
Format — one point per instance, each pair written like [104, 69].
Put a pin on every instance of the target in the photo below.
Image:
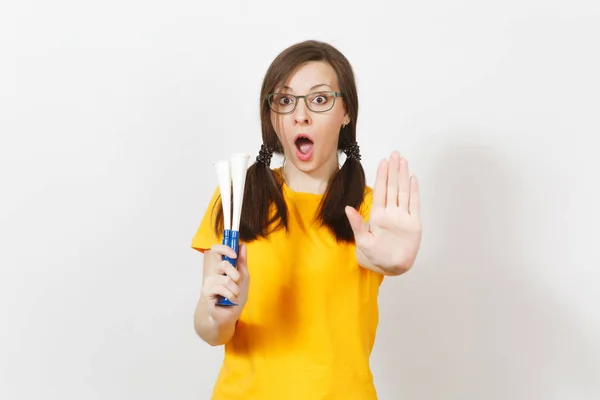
[304, 144]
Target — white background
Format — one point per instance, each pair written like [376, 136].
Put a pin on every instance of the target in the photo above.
[112, 112]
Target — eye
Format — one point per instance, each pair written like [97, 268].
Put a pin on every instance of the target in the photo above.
[320, 99]
[286, 101]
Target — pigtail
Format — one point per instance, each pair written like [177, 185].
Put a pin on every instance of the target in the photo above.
[261, 191]
[346, 188]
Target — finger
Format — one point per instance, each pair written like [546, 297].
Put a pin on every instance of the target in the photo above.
[220, 250]
[222, 291]
[227, 283]
[242, 263]
[225, 268]
[380, 185]
[217, 253]
[415, 197]
[358, 225]
[392, 181]
[403, 184]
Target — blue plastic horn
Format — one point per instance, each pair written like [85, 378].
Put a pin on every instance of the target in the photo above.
[232, 181]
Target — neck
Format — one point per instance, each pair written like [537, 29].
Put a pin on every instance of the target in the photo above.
[314, 181]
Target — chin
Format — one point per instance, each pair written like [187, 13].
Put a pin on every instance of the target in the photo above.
[310, 166]
[304, 166]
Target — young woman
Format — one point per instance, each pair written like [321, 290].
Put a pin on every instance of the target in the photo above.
[306, 321]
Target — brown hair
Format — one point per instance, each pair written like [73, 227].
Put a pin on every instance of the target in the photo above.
[263, 185]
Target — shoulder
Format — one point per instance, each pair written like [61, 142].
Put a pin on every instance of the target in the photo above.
[215, 200]
[205, 235]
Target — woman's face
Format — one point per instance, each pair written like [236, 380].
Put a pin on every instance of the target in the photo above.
[310, 138]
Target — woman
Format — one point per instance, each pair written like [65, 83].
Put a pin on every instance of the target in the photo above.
[305, 325]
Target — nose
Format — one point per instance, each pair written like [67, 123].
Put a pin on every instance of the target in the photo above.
[301, 115]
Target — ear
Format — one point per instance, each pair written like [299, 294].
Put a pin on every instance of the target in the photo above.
[346, 120]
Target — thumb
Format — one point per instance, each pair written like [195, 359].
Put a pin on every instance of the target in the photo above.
[242, 259]
[358, 225]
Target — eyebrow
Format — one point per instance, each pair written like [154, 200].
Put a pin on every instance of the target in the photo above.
[312, 88]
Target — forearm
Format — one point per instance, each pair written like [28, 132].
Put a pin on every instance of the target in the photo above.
[208, 329]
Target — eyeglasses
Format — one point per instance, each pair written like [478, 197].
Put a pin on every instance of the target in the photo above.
[284, 103]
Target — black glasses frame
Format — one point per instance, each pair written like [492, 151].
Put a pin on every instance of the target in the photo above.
[297, 98]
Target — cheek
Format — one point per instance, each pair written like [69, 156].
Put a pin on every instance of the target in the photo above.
[336, 119]
[279, 122]
[331, 130]
[332, 125]
[281, 125]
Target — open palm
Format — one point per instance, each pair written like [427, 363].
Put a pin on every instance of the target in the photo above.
[391, 238]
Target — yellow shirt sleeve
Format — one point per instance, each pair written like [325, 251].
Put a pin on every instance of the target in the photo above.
[205, 236]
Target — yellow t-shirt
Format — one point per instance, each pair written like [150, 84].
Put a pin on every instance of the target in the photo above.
[308, 327]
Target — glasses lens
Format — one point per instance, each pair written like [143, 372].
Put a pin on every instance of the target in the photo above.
[321, 101]
[282, 103]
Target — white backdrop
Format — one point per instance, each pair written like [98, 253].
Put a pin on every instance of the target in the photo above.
[112, 112]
